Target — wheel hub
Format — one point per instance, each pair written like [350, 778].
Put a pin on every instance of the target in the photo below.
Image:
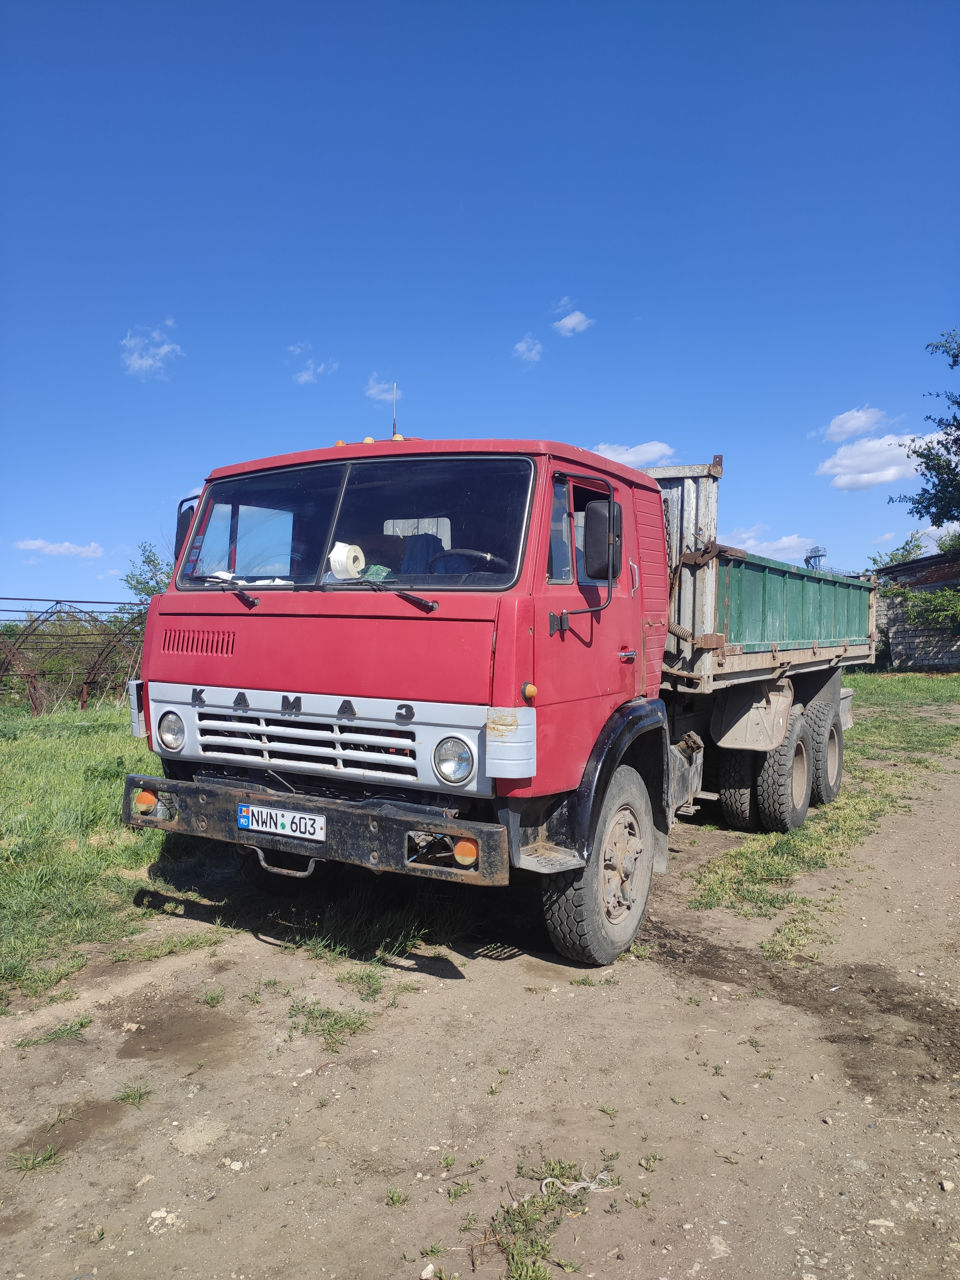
[621, 856]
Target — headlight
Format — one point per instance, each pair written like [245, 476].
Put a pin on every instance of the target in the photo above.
[170, 731]
[453, 760]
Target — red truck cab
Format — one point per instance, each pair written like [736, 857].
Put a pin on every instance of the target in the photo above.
[437, 658]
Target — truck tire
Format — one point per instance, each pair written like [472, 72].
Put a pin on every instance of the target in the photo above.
[826, 737]
[736, 784]
[594, 914]
[785, 779]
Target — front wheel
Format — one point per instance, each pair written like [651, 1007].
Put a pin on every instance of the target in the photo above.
[594, 914]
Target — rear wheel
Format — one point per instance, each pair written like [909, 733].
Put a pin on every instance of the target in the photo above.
[785, 779]
[826, 737]
[736, 785]
[594, 914]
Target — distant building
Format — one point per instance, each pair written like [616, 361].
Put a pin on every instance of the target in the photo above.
[921, 648]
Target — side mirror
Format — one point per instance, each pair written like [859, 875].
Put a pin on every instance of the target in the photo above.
[184, 516]
[601, 536]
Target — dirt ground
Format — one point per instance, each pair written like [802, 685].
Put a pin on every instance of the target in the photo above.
[764, 1120]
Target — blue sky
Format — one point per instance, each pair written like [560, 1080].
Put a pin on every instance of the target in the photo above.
[678, 229]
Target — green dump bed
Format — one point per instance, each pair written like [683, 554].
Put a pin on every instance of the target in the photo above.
[737, 617]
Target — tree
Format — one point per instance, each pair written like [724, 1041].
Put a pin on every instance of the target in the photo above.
[150, 575]
[909, 550]
[938, 456]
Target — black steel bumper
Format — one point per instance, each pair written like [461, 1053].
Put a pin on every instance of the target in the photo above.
[373, 834]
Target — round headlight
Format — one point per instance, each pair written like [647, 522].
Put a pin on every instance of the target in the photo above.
[170, 731]
[453, 760]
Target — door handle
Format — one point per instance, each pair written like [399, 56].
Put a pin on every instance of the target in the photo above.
[627, 655]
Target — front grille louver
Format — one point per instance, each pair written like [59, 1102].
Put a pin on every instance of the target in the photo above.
[315, 746]
[192, 640]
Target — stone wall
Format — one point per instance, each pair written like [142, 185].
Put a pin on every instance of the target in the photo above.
[917, 648]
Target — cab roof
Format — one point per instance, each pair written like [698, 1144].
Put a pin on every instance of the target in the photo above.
[413, 447]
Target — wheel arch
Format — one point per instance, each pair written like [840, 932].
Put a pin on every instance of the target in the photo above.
[635, 735]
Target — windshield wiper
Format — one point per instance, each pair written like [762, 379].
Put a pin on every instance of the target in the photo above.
[225, 581]
[427, 605]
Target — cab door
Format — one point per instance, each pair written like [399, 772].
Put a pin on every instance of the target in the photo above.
[591, 663]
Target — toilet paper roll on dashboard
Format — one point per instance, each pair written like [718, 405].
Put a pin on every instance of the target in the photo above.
[346, 560]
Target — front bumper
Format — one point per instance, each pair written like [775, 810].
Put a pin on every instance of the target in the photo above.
[377, 834]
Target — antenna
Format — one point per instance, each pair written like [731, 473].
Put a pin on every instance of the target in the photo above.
[396, 434]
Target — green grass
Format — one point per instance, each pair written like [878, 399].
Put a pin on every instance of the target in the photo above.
[367, 980]
[31, 1161]
[134, 1094]
[312, 1017]
[61, 782]
[906, 721]
[63, 1031]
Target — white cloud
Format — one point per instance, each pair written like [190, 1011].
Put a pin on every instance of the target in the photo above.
[382, 391]
[298, 348]
[575, 322]
[881, 460]
[792, 546]
[147, 353]
[528, 348]
[563, 306]
[92, 551]
[311, 371]
[855, 422]
[636, 455]
[884, 538]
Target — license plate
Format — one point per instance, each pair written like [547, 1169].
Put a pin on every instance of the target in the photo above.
[281, 822]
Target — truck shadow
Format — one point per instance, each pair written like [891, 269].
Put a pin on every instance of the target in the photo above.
[350, 913]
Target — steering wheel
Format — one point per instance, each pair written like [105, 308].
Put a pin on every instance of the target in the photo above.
[484, 559]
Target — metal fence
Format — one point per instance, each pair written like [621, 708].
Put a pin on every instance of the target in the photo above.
[53, 651]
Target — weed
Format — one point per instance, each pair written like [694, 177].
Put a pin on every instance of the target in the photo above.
[169, 946]
[765, 1075]
[469, 1223]
[447, 1161]
[523, 1229]
[213, 997]
[585, 981]
[640, 1199]
[271, 983]
[254, 996]
[676, 1101]
[396, 1197]
[31, 1161]
[435, 1250]
[367, 981]
[65, 1031]
[458, 1189]
[312, 1017]
[649, 1162]
[609, 1111]
[717, 1069]
[754, 1043]
[478, 1163]
[134, 1094]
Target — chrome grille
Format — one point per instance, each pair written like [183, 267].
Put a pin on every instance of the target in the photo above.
[313, 746]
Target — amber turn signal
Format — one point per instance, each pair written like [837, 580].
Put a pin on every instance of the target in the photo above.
[144, 802]
[466, 852]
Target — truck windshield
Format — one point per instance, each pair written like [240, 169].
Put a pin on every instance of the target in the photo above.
[406, 522]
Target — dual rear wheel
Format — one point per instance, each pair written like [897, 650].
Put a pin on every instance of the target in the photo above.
[773, 790]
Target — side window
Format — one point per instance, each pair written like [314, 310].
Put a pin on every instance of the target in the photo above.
[560, 560]
[581, 496]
